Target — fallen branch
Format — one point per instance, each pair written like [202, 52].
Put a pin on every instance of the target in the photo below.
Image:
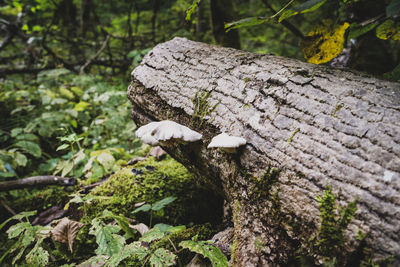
[36, 181]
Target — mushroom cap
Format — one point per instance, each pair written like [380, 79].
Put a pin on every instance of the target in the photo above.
[164, 131]
[226, 141]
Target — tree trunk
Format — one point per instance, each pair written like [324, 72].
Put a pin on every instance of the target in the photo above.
[222, 12]
[317, 124]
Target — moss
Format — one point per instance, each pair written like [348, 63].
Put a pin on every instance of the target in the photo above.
[202, 107]
[338, 107]
[40, 199]
[262, 186]
[235, 243]
[295, 131]
[328, 243]
[259, 244]
[159, 179]
[334, 220]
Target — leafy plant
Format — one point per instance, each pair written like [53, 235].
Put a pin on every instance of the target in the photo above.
[154, 207]
[207, 250]
[328, 243]
[113, 245]
[27, 236]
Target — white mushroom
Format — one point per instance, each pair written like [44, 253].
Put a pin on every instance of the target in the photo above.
[227, 143]
[166, 132]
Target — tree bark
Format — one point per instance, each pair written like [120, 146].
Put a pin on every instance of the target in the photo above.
[319, 125]
[36, 181]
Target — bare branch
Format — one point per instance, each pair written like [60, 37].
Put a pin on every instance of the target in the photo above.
[36, 181]
[90, 61]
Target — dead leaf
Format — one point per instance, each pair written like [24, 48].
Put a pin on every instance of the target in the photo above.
[158, 153]
[65, 231]
[324, 42]
[141, 228]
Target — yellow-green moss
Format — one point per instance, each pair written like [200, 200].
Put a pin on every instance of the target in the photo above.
[169, 178]
[201, 106]
[39, 199]
[235, 244]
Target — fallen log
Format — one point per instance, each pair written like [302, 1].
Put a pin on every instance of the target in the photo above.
[36, 181]
[319, 126]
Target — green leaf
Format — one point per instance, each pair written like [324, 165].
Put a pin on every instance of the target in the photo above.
[109, 242]
[206, 249]
[64, 92]
[16, 131]
[162, 257]
[145, 207]
[191, 10]
[37, 256]
[27, 137]
[16, 229]
[122, 221]
[30, 147]
[393, 8]
[67, 168]
[356, 30]
[134, 249]
[305, 7]
[388, 30]
[81, 106]
[62, 147]
[21, 159]
[19, 216]
[106, 160]
[247, 22]
[162, 203]
[153, 234]
[169, 228]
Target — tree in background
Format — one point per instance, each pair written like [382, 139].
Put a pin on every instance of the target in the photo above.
[38, 34]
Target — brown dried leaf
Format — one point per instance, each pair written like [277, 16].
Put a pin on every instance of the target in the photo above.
[158, 153]
[65, 231]
[141, 228]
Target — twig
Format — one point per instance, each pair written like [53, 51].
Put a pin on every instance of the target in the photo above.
[282, 9]
[90, 186]
[82, 70]
[7, 207]
[36, 181]
[285, 23]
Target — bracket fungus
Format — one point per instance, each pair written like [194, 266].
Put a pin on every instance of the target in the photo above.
[227, 143]
[166, 133]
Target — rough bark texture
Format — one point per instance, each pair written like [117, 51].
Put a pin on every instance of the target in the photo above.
[320, 125]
